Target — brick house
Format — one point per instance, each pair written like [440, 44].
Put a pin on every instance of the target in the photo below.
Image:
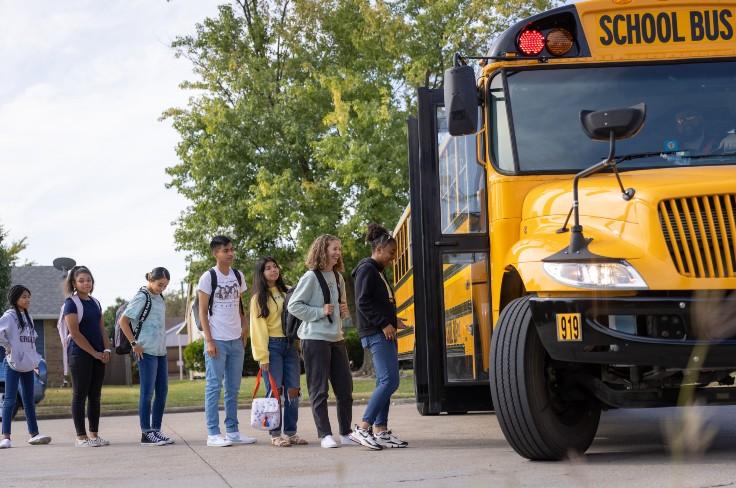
[47, 295]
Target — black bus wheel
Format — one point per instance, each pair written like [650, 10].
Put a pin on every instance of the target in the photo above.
[536, 415]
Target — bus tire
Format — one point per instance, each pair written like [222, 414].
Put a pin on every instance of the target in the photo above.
[528, 408]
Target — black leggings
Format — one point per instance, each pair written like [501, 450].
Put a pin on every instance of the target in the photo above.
[88, 374]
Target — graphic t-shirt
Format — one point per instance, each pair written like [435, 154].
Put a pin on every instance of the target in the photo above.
[225, 318]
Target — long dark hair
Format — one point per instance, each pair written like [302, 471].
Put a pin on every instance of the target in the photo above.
[71, 278]
[16, 291]
[260, 284]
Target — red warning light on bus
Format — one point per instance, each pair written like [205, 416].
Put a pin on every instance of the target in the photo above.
[531, 42]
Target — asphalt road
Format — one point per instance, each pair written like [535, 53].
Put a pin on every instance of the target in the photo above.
[631, 450]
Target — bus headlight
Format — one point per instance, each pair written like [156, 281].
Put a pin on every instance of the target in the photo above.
[611, 275]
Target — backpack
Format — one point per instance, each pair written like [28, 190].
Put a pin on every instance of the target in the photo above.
[213, 280]
[120, 341]
[290, 323]
[64, 334]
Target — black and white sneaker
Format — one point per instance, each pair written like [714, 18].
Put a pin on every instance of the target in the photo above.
[150, 439]
[388, 440]
[160, 435]
[364, 438]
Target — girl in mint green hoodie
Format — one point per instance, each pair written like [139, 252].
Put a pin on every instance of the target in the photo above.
[322, 342]
[18, 337]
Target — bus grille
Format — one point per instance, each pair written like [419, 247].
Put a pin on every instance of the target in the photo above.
[699, 232]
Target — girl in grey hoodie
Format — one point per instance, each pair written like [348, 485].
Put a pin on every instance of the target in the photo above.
[18, 337]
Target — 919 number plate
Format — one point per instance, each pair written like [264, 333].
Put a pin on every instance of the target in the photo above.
[569, 327]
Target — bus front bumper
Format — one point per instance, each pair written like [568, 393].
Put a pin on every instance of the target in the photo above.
[642, 331]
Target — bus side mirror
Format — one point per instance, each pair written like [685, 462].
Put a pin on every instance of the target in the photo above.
[461, 101]
[622, 122]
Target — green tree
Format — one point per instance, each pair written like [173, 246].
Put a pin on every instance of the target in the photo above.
[108, 316]
[9, 256]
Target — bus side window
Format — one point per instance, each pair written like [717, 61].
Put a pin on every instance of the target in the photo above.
[501, 150]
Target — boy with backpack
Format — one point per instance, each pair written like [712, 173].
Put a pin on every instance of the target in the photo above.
[225, 329]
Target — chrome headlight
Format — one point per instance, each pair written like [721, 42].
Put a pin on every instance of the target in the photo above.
[610, 275]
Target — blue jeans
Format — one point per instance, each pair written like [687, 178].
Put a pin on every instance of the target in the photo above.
[154, 375]
[283, 364]
[386, 361]
[228, 365]
[12, 378]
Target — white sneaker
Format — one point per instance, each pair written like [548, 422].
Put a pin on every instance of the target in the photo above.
[99, 441]
[85, 443]
[387, 439]
[364, 438]
[346, 440]
[238, 438]
[5, 444]
[217, 441]
[328, 442]
[39, 439]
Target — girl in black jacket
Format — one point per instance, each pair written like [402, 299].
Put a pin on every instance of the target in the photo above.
[377, 326]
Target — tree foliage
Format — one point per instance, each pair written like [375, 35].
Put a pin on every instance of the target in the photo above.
[296, 123]
[9, 256]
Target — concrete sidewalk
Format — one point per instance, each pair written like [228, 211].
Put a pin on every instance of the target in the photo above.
[458, 450]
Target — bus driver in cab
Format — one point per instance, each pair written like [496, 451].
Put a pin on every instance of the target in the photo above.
[690, 134]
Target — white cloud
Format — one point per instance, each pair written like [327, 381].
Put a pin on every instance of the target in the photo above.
[82, 151]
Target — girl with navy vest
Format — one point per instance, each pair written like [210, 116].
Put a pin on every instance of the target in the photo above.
[18, 337]
[149, 346]
[88, 351]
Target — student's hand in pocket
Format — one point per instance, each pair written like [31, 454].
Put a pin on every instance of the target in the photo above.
[344, 310]
[328, 309]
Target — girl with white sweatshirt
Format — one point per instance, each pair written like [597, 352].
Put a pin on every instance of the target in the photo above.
[18, 337]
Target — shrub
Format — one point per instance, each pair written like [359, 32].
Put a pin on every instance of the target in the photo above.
[194, 356]
[355, 349]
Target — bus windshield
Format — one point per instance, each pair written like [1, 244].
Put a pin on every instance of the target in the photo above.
[691, 115]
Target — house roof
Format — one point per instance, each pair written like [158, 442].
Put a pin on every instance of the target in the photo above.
[45, 283]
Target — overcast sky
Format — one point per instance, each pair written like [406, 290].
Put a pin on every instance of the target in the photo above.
[82, 152]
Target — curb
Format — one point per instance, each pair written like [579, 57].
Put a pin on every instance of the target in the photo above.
[121, 413]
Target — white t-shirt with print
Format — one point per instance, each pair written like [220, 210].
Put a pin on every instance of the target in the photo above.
[225, 318]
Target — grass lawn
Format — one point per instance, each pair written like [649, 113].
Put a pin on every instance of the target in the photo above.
[185, 393]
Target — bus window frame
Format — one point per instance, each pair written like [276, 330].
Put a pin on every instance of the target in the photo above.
[512, 129]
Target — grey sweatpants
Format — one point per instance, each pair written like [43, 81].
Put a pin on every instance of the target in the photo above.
[328, 361]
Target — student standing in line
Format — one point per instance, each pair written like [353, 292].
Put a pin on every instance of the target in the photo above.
[150, 349]
[323, 345]
[18, 337]
[377, 327]
[272, 349]
[225, 329]
[88, 351]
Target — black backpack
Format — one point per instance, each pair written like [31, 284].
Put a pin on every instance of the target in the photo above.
[291, 323]
[120, 341]
[213, 280]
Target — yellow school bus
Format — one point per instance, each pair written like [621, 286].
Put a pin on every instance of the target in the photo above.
[570, 244]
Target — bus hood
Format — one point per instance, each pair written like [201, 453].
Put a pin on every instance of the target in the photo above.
[600, 196]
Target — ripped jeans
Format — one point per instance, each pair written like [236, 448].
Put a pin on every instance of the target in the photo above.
[283, 364]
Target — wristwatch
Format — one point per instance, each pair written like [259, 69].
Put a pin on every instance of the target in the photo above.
[133, 343]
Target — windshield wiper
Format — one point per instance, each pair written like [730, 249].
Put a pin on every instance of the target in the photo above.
[662, 154]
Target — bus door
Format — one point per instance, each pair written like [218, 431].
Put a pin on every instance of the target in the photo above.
[450, 251]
